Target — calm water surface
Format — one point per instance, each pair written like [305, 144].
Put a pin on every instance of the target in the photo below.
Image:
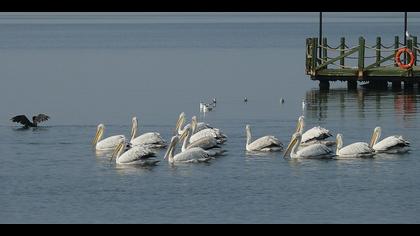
[83, 71]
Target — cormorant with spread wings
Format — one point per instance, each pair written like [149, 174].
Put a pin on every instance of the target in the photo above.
[27, 123]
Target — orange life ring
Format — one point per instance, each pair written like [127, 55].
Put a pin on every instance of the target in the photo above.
[398, 59]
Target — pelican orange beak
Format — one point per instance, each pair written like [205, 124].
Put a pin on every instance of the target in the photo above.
[289, 147]
[98, 135]
[179, 122]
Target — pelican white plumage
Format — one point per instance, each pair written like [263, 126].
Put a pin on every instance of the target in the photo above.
[314, 135]
[181, 120]
[137, 155]
[391, 144]
[207, 132]
[208, 144]
[358, 149]
[151, 139]
[192, 155]
[107, 144]
[264, 144]
[314, 151]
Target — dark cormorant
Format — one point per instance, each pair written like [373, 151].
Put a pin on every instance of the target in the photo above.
[27, 123]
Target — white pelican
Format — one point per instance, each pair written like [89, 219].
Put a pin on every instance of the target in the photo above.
[107, 144]
[208, 144]
[263, 144]
[207, 132]
[391, 144]
[192, 155]
[315, 135]
[152, 139]
[181, 120]
[137, 155]
[315, 151]
[358, 149]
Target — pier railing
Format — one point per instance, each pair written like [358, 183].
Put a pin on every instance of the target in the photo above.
[357, 60]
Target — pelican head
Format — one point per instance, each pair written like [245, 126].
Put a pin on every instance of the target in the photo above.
[375, 136]
[180, 122]
[118, 149]
[194, 124]
[339, 142]
[134, 126]
[295, 139]
[300, 124]
[169, 151]
[99, 133]
[248, 134]
[184, 134]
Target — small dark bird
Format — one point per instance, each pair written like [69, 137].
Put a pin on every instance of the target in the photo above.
[214, 100]
[27, 123]
[245, 99]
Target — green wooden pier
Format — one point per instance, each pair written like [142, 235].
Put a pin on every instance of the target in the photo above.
[375, 63]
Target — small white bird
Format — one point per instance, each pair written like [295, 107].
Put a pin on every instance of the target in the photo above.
[303, 105]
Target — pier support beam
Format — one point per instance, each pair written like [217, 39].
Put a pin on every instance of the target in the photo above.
[381, 85]
[408, 85]
[324, 85]
[396, 85]
[351, 85]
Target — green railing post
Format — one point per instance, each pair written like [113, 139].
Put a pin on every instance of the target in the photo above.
[324, 51]
[396, 46]
[409, 46]
[314, 56]
[378, 50]
[361, 62]
[308, 55]
[342, 47]
[415, 49]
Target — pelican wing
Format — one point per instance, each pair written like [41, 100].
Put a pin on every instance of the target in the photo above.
[41, 118]
[204, 143]
[200, 126]
[192, 155]
[110, 142]
[315, 151]
[391, 142]
[264, 142]
[356, 149]
[215, 133]
[148, 139]
[316, 133]
[22, 119]
[136, 155]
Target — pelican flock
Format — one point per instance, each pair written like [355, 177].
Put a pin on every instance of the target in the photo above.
[202, 142]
